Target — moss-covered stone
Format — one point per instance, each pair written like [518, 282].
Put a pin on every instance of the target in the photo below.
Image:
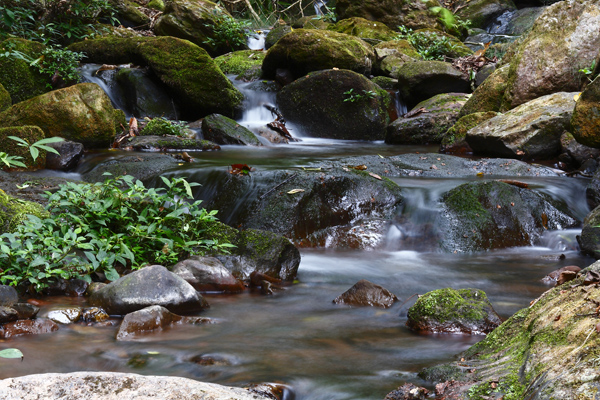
[364, 29]
[488, 95]
[168, 143]
[223, 130]
[589, 240]
[321, 104]
[311, 22]
[129, 15]
[481, 12]
[82, 113]
[275, 34]
[454, 139]
[392, 55]
[189, 73]
[240, 61]
[18, 78]
[401, 46]
[156, 5]
[453, 47]
[5, 100]
[385, 82]
[14, 211]
[448, 310]
[30, 134]
[586, 116]
[414, 14]
[143, 96]
[306, 50]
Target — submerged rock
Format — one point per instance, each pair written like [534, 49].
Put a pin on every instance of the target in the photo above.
[141, 166]
[453, 311]
[336, 104]
[222, 130]
[117, 386]
[70, 154]
[152, 285]
[27, 327]
[207, 274]
[365, 293]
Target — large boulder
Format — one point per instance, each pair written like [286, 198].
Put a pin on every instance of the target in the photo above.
[14, 211]
[117, 386]
[187, 71]
[69, 154]
[30, 134]
[562, 41]
[454, 140]
[586, 116]
[306, 50]
[453, 311]
[421, 80]
[393, 54]
[222, 130]
[338, 104]
[21, 80]
[429, 126]
[531, 130]
[491, 215]
[364, 29]
[152, 285]
[195, 21]
[82, 113]
[413, 14]
[487, 96]
[208, 274]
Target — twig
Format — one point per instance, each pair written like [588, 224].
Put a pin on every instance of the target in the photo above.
[406, 301]
[278, 186]
[586, 339]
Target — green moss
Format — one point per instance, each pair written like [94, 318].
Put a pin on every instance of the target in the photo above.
[446, 305]
[488, 96]
[156, 5]
[30, 134]
[239, 62]
[14, 211]
[364, 29]
[457, 133]
[5, 100]
[402, 46]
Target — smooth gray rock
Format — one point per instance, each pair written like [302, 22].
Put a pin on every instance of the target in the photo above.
[8, 295]
[207, 274]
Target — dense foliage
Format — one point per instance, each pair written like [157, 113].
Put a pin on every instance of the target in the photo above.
[161, 126]
[106, 227]
[229, 34]
[429, 45]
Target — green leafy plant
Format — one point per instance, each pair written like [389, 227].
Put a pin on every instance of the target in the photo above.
[353, 97]
[11, 353]
[161, 126]
[589, 72]
[34, 149]
[106, 227]
[429, 45]
[329, 16]
[228, 33]
[451, 22]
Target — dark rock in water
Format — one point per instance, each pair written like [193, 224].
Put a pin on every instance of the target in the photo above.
[8, 314]
[207, 274]
[453, 311]
[490, 215]
[146, 320]
[408, 391]
[64, 315]
[274, 391]
[70, 154]
[25, 310]
[8, 295]
[168, 143]
[94, 314]
[152, 285]
[562, 275]
[28, 327]
[143, 96]
[436, 116]
[337, 104]
[589, 240]
[365, 293]
[577, 153]
[141, 166]
[210, 359]
[421, 80]
[306, 50]
[222, 130]
[114, 385]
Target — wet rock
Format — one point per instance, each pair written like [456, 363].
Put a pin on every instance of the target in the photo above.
[143, 96]
[82, 113]
[210, 359]
[66, 287]
[589, 240]
[28, 327]
[453, 311]
[20, 80]
[561, 275]
[429, 126]
[532, 130]
[30, 134]
[490, 215]
[586, 120]
[408, 391]
[207, 274]
[365, 293]
[488, 95]
[25, 310]
[275, 34]
[13, 212]
[222, 130]
[168, 143]
[94, 314]
[274, 391]
[94, 287]
[306, 50]
[321, 105]
[454, 140]
[146, 320]
[69, 155]
[567, 26]
[64, 315]
[576, 152]
[152, 285]
[421, 80]
[117, 386]
[8, 314]
[392, 55]
[412, 14]
[141, 166]
[192, 78]
[195, 21]
[8, 295]
[482, 12]
[364, 29]
[241, 61]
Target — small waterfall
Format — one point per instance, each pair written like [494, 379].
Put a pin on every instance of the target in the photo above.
[319, 5]
[256, 41]
[106, 80]
[564, 240]
[401, 108]
[499, 26]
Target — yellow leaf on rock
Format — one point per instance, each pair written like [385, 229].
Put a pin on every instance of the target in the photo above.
[294, 191]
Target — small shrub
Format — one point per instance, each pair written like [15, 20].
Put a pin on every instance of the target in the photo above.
[353, 97]
[228, 33]
[429, 45]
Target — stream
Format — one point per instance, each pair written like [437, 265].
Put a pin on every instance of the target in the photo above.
[298, 337]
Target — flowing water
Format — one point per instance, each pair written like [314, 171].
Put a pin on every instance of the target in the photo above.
[298, 336]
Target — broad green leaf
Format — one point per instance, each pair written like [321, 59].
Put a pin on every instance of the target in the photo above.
[11, 353]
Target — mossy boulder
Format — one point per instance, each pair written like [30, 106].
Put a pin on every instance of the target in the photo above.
[222, 130]
[531, 130]
[488, 96]
[385, 82]
[492, 214]
[168, 143]
[82, 113]
[143, 96]
[311, 22]
[452, 46]
[549, 57]
[196, 21]
[5, 100]
[439, 114]
[364, 29]
[306, 50]
[453, 311]
[30, 134]
[14, 211]
[238, 62]
[321, 105]
[18, 78]
[548, 350]
[128, 14]
[158, 5]
[482, 12]
[454, 140]
[393, 54]
[586, 116]
[413, 14]
[589, 240]
[275, 34]
[187, 71]
[421, 80]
